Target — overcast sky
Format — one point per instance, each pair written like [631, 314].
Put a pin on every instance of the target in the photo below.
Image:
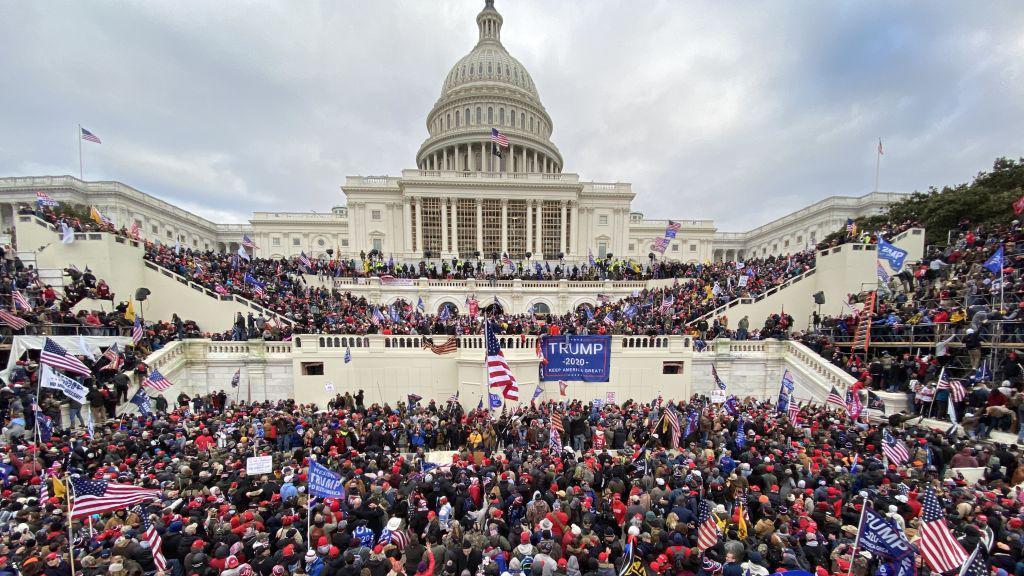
[736, 111]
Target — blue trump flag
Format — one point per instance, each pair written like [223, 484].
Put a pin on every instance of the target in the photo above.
[324, 482]
[881, 536]
[495, 400]
[741, 434]
[995, 261]
[891, 254]
[141, 399]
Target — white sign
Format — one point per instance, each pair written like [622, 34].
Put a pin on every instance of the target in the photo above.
[329, 387]
[718, 396]
[69, 386]
[610, 397]
[255, 465]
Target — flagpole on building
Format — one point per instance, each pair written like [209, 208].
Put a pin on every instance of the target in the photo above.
[78, 136]
[878, 162]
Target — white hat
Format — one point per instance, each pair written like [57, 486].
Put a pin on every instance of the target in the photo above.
[634, 531]
[394, 524]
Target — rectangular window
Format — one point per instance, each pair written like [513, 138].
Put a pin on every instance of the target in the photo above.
[551, 227]
[602, 219]
[374, 214]
[671, 367]
[296, 241]
[275, 241]
[632, 247]
[432, 226]
[602, 249]
[155, 229]
[344, 242]
[491, 227]
[466, 210]
[312, 368]
[675, 247]
[170, 234]
[786, 244]
[799, 239]
[517, 229]
[693, 247]
[378, 244]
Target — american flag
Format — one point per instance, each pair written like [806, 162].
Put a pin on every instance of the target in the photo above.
[894, 449]
[454, 398]
[977, 564]
[660, 244]
[156, 543]
[506, 260]
[955, 387]
[248, 243]
[498, 373]
[851, 226]
[673, 424]
[114, 359]
[555, 440]
[883, 276]
[672, 229]
[793, 411]
[237, 378]
[667, 303]
[137, 332]
[707, 531]
[718, 381]
[556, 421]
[609, 318]
[834, 397]
[499, 138]
[86, 135]
[44, 199]
[57, 357]
[304, 260]
[257, 286]
[20, 301]
[156, 381]
[562, 387]
[98, 496]
[938, 546]
[450, 345]
[880, 152]
[13, 321]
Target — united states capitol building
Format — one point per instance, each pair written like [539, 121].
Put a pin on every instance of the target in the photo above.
[462, 198]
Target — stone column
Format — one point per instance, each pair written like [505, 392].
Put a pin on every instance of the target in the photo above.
[536, 167]
[444, 158]
[529, 225]
[508, 158]
[480, 226]
[524, 159]
[574, 229]
[455, 226]
[444, 227]
[561, 230]
[407, 224]
[504, 225]
[419, 225]
[539, 237]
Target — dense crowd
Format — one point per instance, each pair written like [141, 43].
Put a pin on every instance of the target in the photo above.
[622, 487]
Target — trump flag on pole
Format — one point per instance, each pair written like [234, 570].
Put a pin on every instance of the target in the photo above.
[324, 482]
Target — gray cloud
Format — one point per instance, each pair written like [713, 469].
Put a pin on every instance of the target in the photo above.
[737, 112]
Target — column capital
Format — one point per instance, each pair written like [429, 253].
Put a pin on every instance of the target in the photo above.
[504, 202]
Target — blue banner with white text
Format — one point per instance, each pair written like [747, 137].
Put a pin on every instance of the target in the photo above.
[576, 358]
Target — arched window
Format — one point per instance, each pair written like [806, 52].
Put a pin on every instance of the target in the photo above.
[522, 120]
[468, 116]
[478, 118]
[501, 116]
[490, 115]
[531, 123]
[449, 121]
[456, 118]
[489, 72]
[512, 117]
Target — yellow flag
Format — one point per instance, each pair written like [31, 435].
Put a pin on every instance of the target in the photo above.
[741, 525]
[99, 218]
[129, 312]
[58, 488]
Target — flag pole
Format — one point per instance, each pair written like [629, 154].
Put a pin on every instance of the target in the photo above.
[79, 138]
[69, 492]
[860, 526]
[309, 505]
[878, 162]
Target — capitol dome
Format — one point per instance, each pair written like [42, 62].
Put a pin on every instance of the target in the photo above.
[489, 89]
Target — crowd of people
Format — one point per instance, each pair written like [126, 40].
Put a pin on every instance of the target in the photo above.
[556, 489]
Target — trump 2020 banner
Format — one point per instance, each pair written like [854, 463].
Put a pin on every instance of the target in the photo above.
[580, 358]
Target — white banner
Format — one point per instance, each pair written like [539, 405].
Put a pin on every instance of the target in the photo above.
[743, 280]
[718, 396]
[259, 465]
[71, 388]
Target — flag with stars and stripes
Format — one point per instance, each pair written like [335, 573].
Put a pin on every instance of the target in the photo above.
[718, 381]
[894, 450]
[955, 387]
[673, 423]
[236, 378]
[248, 243]
[157, 381]
[13, 321]
[98, 496]
[55, 356]
[304, 260]
[20, 302]
[454, 398]
[258, 288]
[707, 530]
[835, 398]
[498, 138]
[977, 564]
[348, 354]
[499, 375]
[137, 331]
[156, 543]
[89, 136]
[940, 548]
